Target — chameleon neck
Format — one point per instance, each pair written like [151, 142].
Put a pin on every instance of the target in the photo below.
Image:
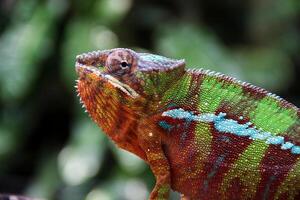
[157, 83]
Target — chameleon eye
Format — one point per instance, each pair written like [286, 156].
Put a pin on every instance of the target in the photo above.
[124, 65]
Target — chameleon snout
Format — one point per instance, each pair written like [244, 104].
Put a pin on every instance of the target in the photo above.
[87, 61]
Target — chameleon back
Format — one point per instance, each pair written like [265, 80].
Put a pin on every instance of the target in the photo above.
[230, 140]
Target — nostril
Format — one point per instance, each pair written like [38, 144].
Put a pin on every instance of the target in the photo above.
[79, 60]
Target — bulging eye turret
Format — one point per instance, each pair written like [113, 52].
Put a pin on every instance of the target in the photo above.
[120, 62]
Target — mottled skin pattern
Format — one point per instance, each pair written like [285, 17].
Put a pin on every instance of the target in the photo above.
[129, 94]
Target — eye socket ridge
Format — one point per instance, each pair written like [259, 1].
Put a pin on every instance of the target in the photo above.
[124, 64]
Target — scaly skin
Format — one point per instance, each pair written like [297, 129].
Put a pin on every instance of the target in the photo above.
[204, 134]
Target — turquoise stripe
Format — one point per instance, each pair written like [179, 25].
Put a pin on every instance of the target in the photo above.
[231, 126]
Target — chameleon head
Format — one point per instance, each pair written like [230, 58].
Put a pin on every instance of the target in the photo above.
[116, 83]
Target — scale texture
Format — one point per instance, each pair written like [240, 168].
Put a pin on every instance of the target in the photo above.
[204, 134]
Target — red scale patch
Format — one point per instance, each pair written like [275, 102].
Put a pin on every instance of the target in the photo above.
[235, 191]
[226, 149]
[274, 167]
[178, 142]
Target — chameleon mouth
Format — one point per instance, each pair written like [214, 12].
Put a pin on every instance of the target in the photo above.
[92, 71]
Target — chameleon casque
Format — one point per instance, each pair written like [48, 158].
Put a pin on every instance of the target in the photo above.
[204, 134]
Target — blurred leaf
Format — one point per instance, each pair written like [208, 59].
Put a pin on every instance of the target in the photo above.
[110, 11]
[97, 194]
[82, 158]
[121, 189]
[23, 11]
[58, 7]
[73, 192]
[272, 23]
[129, 162]
[11, 121]
[21, 47]
[46, 181]
[8, 141]
[268, 68]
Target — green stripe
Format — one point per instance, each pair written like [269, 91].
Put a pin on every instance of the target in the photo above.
[179, 91]
[270, 116]
[213, 92]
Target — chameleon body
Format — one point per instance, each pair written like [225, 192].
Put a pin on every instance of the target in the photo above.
[204, 134]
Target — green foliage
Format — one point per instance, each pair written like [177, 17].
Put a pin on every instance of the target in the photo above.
[23, 45]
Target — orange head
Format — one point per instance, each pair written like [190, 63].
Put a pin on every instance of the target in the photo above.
[116, 85]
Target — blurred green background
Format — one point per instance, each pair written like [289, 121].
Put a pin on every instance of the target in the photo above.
[50, 148]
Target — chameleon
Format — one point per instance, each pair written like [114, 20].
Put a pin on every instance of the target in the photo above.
[204, 134]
